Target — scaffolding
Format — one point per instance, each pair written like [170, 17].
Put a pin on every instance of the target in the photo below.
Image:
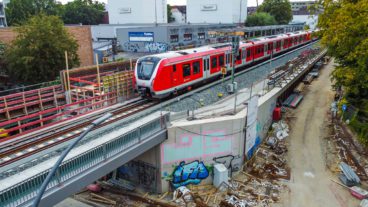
[82, 91]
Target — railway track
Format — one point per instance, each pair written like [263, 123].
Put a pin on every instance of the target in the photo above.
[25, 148]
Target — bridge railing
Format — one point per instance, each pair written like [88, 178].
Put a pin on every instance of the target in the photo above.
[25, 191]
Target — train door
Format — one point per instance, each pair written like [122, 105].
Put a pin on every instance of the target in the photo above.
[175, 76]
[244, 55]
[206, 66]
[228, 60]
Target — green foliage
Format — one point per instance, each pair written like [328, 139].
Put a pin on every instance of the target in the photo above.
[280, 9]
[170, 17]
[344, 27]
[19, 11]
[306, 27]
[37, 54]
[87, 12]
[260, 19]
[2, 55]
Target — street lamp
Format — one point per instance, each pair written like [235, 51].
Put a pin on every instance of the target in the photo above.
[64, 154]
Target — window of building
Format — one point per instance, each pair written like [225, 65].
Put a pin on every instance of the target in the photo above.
[186, 70]
[214, 62]
[221, 60]
[174, 38]
[196, 67]
[201, 36]
[188, 37]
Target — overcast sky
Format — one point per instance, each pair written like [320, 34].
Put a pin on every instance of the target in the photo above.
[182, 2]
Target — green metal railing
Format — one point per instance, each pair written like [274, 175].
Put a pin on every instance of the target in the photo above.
[25, 191]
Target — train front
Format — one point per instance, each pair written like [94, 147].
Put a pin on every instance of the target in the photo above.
[145, 72]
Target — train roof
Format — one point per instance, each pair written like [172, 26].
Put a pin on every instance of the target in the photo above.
[203, 50]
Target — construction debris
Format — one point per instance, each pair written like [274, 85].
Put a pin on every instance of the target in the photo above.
[348, 176]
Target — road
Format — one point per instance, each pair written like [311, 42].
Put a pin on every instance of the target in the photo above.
[310, 185]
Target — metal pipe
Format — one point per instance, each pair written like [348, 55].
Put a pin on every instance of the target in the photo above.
[64, 154]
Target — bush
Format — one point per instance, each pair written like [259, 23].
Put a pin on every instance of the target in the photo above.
[260, 19]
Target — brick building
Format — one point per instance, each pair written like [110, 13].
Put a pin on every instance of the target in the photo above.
[81, 33]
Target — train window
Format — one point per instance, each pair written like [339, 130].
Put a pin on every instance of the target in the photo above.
[244, 54]
[174, 68]
[238, 57]
[248, 53]
[278, 44]
[221, 60]
[214, 62]
[196, 67]
[227, 58]
[186, 70]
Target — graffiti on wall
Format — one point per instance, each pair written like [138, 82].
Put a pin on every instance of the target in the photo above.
[156, 47]
[139, 173]
[132, 47]
[231, 162]
[190, 173]
[195, 147]
[152, 47]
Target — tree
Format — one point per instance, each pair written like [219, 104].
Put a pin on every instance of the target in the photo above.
[260, 19]
[344, 31]
[19, 11]
[2, 55]
[37, 53]
[170, 17]
[280, 9]
[87, 12]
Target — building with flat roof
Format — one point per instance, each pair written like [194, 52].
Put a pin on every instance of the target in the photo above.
[216, 11]
[163, 37]
[297, 5]
[137, 11]
[179, 14]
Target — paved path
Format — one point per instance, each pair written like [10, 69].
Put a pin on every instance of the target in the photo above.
[310, 185]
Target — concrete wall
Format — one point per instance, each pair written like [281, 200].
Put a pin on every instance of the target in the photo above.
[137, 11]
[163, 36]
[159, 43]
[187, 157]
[216, 11]
[80, 33]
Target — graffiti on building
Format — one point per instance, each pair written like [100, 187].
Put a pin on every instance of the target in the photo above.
[193, 147]
[156, 47]
[190, 173]
[231, 162]
[132, 47]
[152, 47]
[139, 173]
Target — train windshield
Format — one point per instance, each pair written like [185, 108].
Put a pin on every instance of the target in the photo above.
[145, 68]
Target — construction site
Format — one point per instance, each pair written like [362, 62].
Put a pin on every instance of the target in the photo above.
[277, 141]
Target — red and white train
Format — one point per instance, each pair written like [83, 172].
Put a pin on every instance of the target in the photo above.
[160, 75]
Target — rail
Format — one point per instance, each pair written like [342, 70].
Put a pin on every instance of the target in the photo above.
[21, 193]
